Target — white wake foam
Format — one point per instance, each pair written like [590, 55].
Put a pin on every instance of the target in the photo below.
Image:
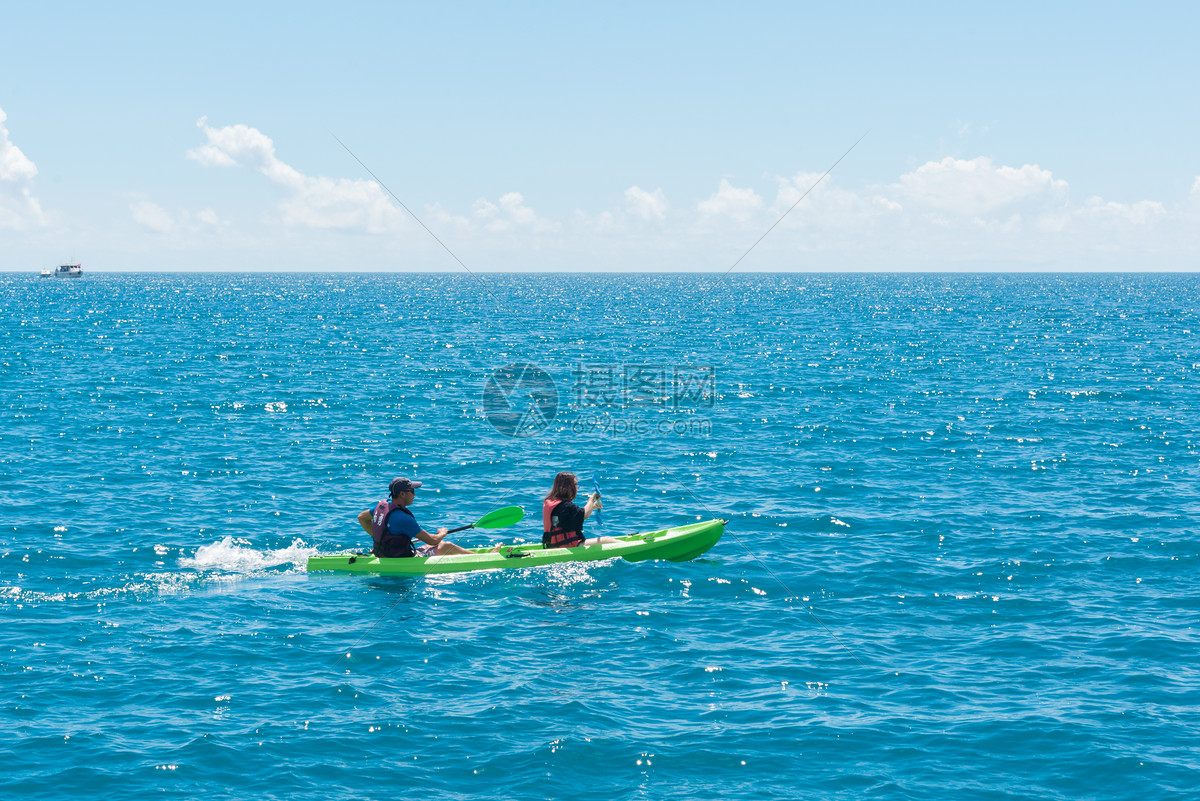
[237, 556]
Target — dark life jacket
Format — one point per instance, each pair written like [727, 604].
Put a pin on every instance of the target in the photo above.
[387, 544]
[553, 534]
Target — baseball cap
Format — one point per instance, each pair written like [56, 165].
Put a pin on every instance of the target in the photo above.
[399, 485]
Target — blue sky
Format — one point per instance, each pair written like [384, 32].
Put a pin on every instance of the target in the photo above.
[602, 137]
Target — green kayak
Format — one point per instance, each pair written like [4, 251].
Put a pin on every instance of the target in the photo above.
[677, 544]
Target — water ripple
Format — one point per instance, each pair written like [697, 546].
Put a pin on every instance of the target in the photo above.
[961, 555]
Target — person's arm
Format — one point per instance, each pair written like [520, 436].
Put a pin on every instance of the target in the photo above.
[364, 520]
[432, 539]
[592, 505]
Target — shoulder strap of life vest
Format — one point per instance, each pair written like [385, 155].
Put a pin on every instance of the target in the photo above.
[383, 510]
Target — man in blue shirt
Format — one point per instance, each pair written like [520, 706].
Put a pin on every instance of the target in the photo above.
[393, 527]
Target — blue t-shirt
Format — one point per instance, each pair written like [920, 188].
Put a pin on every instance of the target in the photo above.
[402, 525]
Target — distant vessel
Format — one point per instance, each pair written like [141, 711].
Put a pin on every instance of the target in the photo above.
[65, 271]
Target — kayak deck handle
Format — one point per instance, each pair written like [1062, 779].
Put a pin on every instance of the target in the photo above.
[511, 552]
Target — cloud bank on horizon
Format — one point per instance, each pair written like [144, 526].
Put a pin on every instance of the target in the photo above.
[953, 213]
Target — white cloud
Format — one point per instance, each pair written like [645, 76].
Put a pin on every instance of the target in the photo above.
[650, 206]
[955, 213]
[14, 165]
[19, 209]
[485, 209]
[820, 204]
[949, 213]
[508, 215]
[976, 187]
[793, 189]
[159, 220]
[730, 201]
[1144, 212]
[152, 216]
[946, 214]
[514, 204]
[311, 202]
[1193, 199]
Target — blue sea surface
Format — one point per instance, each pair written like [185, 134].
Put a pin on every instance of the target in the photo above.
[962, 557]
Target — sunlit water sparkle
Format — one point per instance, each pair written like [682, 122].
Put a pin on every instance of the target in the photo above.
[962, 556]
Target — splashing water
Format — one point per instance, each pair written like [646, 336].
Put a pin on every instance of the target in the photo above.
[235, 555]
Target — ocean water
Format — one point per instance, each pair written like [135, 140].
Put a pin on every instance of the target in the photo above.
[962, 558]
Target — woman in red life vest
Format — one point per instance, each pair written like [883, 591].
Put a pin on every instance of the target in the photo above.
[562, 520]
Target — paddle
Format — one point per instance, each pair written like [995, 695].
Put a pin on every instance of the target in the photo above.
[497, 518]
[596, 484]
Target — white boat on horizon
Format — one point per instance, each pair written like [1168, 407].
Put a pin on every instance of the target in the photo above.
[64, 271]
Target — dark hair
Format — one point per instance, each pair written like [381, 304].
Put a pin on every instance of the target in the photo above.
[565, 487]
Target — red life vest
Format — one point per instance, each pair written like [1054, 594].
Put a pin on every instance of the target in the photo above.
[387, 544]
[554, 535]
